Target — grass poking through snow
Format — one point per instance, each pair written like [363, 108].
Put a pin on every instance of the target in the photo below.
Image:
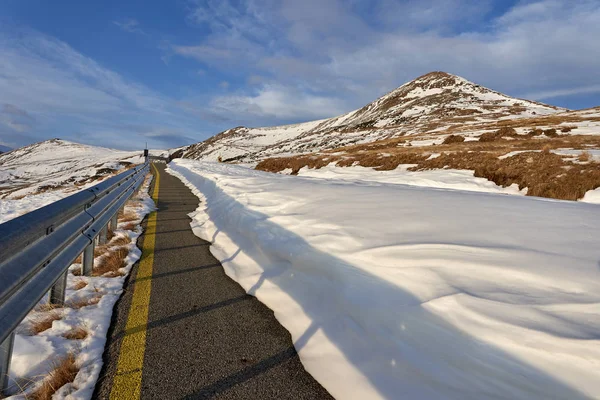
[63, 371]
[111, 263]
[43, 322]
[77, 333]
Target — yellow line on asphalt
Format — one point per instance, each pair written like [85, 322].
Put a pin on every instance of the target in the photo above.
[127, 383]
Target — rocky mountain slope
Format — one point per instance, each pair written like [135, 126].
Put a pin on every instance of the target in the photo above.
[431, 103]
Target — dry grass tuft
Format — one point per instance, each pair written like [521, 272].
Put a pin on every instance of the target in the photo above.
[120, 241]
[63, 372]
[79, 284]
[109, 234]
[505, 131]
[584, 156]
[111, 263]
[84, 302]
[546, 149]
[128, 216]
[77, 333]
[43, 307]
[551, 133]
[536, 132]
[130, 226]
[566, 129]
[44, 322]
[453, 139]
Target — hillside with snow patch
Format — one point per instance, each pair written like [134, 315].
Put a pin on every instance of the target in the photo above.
[41, 173]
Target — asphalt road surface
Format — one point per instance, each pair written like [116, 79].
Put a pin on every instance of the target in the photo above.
[183, 329]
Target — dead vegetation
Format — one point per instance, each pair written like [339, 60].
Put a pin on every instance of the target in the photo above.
[84, 302]
[110, 264]
[453, 139]
[128, 216]
[77, 333]
[120, 241]
[79, 284]
[63, 371]
[43, 322]
[130, 226]
[584, 156]
[538, 169]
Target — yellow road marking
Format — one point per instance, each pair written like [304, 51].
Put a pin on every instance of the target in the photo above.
[127, 383]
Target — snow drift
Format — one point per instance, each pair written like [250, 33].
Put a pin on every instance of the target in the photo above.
[395, 291]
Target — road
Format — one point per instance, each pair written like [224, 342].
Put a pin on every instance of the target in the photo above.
[183, 329]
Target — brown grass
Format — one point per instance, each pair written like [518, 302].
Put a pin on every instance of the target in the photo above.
[584, 156]
[566, 129]
[130, 226]
[84, 302]
[79, 284]
[453, 139]
[43, 322]
[550, 132]
[64, 371]
[77, 333]
[120, 241]
[544, 173]
[128, 216]
[43, 307]
[546, 149]
[110, 264]
[497, 135]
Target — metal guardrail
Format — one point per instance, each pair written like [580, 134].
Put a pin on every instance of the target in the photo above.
[37, 248]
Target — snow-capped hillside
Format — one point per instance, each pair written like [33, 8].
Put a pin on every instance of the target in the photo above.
[430, 103]
[38, 174]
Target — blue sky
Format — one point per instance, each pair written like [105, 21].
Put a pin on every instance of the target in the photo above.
[170, 73]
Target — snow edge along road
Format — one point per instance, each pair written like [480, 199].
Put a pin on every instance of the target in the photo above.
[380, 331]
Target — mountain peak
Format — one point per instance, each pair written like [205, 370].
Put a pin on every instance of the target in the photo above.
[430, 103]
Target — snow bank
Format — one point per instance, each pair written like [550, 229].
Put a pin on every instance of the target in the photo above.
[437, 178]
[394, 291]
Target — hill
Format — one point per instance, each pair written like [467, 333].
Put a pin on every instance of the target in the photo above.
[431, 103]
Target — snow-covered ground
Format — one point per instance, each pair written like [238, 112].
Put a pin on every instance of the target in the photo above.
[36, 175]
[439, 178]
[403, 291]
[34, 355]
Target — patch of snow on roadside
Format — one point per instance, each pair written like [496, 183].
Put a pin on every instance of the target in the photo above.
[396, 291]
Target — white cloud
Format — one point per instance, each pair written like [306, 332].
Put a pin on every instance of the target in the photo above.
[550, 94]
[129, 25]
[356, 51]
[275, 103]
[49, 89]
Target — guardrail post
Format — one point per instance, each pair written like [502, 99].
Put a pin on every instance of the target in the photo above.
[6, 348]
[102, 235]
[114, 221]
[57, 291]
[88, 260]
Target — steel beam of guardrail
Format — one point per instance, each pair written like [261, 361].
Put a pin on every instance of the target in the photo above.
[37, 248]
